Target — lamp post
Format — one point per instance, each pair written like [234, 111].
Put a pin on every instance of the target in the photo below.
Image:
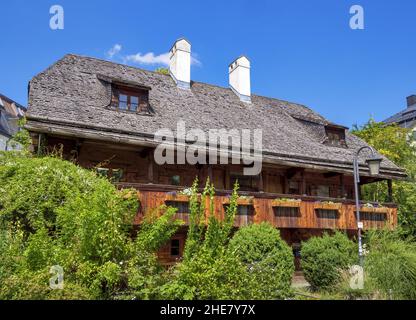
[373, 164]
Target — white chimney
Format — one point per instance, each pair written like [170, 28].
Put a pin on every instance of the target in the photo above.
[239, 72]
[180, 63]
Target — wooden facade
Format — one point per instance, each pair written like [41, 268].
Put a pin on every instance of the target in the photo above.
[299, 202]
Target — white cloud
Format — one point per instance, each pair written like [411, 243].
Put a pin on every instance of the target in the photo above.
[114, 50]
[151, 59]
[148, 58]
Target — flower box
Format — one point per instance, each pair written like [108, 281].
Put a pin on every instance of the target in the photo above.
[374, 209]
[241, 201]
[177, 197]
[286, 203]
[328, 206]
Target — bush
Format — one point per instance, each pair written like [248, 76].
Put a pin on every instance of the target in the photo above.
[325, 258]
[207, 271]
[268, 258]
[391, 264]
[53, 212]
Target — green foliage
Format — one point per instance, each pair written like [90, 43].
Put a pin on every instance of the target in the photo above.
[162, 70]
[212, 267]
[324, 258]
[206, 271]
[21, 138]
[390, 140]
[268, 257]
[157, 229]
[391, 264]
[397, 144]
[52, 212]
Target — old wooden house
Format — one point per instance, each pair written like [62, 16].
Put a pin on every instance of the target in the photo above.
[104, 115]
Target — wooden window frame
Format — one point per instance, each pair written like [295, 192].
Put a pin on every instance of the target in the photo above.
[142, 96]
[181, 206]
[250, 208]
[129, 103]
[334, 131]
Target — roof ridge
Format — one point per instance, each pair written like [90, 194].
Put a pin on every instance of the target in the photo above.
[192, 81]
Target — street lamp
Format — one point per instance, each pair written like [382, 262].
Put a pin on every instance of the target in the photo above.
[373, 164]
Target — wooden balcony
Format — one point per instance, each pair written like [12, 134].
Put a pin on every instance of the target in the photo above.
[282, 210]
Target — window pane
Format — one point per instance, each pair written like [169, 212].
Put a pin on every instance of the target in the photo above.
[122, 105]
[183, 207]
[117, 175]
[103, 172]
[134, 103]
[174, 247]
[122, 102]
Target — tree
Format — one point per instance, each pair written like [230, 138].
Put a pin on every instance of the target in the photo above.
[397, 144]
[162, 70]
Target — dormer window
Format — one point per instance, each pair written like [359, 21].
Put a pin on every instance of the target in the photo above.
[128, 102]
[335, 136]
[133, 99]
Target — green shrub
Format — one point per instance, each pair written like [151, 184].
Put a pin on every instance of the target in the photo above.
[53, 212]
[268, 258]
[208, 270]
[324, 258]
[391, 264]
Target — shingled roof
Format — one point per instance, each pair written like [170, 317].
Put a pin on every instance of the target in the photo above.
[71, 98]
[10, 113]
[405, 118]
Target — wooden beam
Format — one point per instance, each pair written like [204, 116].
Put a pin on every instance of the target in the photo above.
[227, 182]
[390, 190]
[261, 182]
[303, 183]
[342, 183]
[209, 173]
[150, 175]
[285, 184]
[331, 174]
[40, 143]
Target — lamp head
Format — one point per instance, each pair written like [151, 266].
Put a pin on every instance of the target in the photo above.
[374, 165]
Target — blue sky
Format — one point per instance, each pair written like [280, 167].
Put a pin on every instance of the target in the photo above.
[300, 50]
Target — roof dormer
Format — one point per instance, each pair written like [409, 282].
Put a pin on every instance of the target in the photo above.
[335, 135]
[127, 96]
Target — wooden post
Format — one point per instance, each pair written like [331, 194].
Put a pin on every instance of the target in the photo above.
[150, 176]
[261, 185]
[40, 144]
[303, 185]
[285, 185]
[227, 179]
[209, 173]
[390, 190]
[342, 183]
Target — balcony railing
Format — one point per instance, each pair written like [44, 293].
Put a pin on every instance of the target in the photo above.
[282, 210]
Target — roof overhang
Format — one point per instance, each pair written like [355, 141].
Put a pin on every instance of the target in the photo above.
[76, 130]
